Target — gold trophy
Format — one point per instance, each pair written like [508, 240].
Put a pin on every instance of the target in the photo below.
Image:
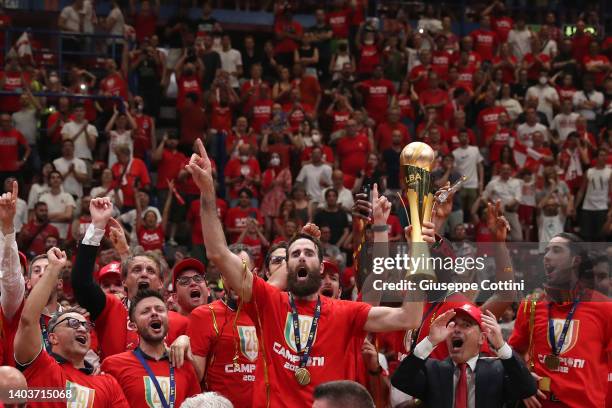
[416, 162]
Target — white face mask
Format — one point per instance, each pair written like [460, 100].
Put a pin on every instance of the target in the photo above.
[244, 158]
[543, 80]
[316, 138]
[275, 161]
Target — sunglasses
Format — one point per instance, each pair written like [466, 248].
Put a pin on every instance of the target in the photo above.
[186, 280]
[277, 260]
[74, 324]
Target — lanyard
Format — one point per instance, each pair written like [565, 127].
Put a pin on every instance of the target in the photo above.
[296, 329]
[556, 347]
[143, 362]
[45, 334]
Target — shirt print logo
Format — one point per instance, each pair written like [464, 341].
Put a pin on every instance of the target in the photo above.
[151, 395]
[571, 338]
[82, 397]
[249, 347]
[305, 322]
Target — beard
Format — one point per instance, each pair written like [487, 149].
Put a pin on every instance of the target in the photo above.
[304, 288]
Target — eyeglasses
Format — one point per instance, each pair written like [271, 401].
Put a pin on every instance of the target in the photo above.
[277, 260]
[186, 280]
[74, 324]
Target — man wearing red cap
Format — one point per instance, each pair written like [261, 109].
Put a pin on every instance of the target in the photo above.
[189, 285]
[464, 380]
[304, 336]
[224, 344]
[331, 280]
[138, 272]
[109, 278]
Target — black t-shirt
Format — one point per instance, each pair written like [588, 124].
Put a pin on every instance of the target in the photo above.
[212, 62]
[571, 68]
[336, 221]
[324, 46]
[391, 158]
[205, 25]
[249, 60]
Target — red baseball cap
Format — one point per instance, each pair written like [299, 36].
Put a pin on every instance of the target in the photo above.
[330, 266]
[185, 264]
[471, 311]
[113, 268]
[23, 260]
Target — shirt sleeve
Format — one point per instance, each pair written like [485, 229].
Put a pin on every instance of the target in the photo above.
[93, 236]
[519, 339]
[201, 330]
[12, 283]
[424, 348]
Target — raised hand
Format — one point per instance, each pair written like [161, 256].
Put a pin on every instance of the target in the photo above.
[362, 208]
[101, 210]
[496, 222]
[57, 258]
[428, 231]
[381, 207]
[312, 229]
[441, 328]
[492, 330]
[201, 170]
[441, 211]
[117, 237]
[8, 207]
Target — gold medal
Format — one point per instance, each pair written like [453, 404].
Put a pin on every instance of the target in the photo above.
[303, 376]
[552, 362]
[544, 384]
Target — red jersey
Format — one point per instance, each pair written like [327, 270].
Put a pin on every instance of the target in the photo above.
[383, 136]
[485, 43]
[405, 104]
[9, 149]
[114, 85]
[434, 97]
[169, 167]
[353, 153]
[584, 355]
[440, 61]
[151, 239]
[91, 391]
[237, 217]
[142, 134]
[502, 27]
[235, 168]
[377, 93]
[327, 154]
[340, 324]
[138, 387]
[369, 58]
[339, 21]
[188, 84]
[487, 122]
[212, 334]
[261, 114]
[597, 60]
[137, 171]
[500, 139]
[117, 335]
[255, 86]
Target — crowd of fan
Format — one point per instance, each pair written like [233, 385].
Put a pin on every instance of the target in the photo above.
[299, 124]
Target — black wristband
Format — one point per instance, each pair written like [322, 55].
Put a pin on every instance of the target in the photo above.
[380, 228]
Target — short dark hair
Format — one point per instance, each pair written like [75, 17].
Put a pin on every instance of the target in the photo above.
[273, 248]
[238, 248]
[331, 190]
[344, 394]
[302, 235]
[56, 172]
[141, 295]
[58, 315]
[78, 105]
[36, 258]
[38, 204]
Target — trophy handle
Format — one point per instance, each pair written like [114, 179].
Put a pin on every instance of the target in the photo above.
[415, 216]
[428, 207]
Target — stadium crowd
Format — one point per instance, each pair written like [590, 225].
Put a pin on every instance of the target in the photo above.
[182, 216]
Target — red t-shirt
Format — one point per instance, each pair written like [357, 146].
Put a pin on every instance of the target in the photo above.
[597, 60]
[12, 83]
[502, 27]
[581, 379]
[383, 136]
[193, 124]
[309, 87]
[422, 84]
[405, 104]
[465, 77]
[338, 20]
[501, 139]
[440, 61]
[144, 25]
[533, 73]
[580, 45]
[95, 391]
[261, 114]
[485, 43]
[236, 168]
[114, 85]
[246, 87]
[151, 239]
[37, 246]
[434, 96]
[565, 93]
[237, 217]
[137, 385]
[287, 44]
[220, 117]
[340, 118]
[116, 334]
[451, 137]
[169, 167]
[507, 72]
[327, 154]
[137, 171]
[212, 333]
[340, 324]
[142, 134]
[487, 122]
[377, 93]
[9, 149]
[297, 114]
[256, 248]
[193, 218]
[353, 153]
[369, 58]
[188, 84]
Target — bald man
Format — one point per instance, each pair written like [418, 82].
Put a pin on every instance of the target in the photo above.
[11, 379]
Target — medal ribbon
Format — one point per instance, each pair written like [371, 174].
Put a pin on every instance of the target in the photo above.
[296, 330]
[556, 347]
[162, 398]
